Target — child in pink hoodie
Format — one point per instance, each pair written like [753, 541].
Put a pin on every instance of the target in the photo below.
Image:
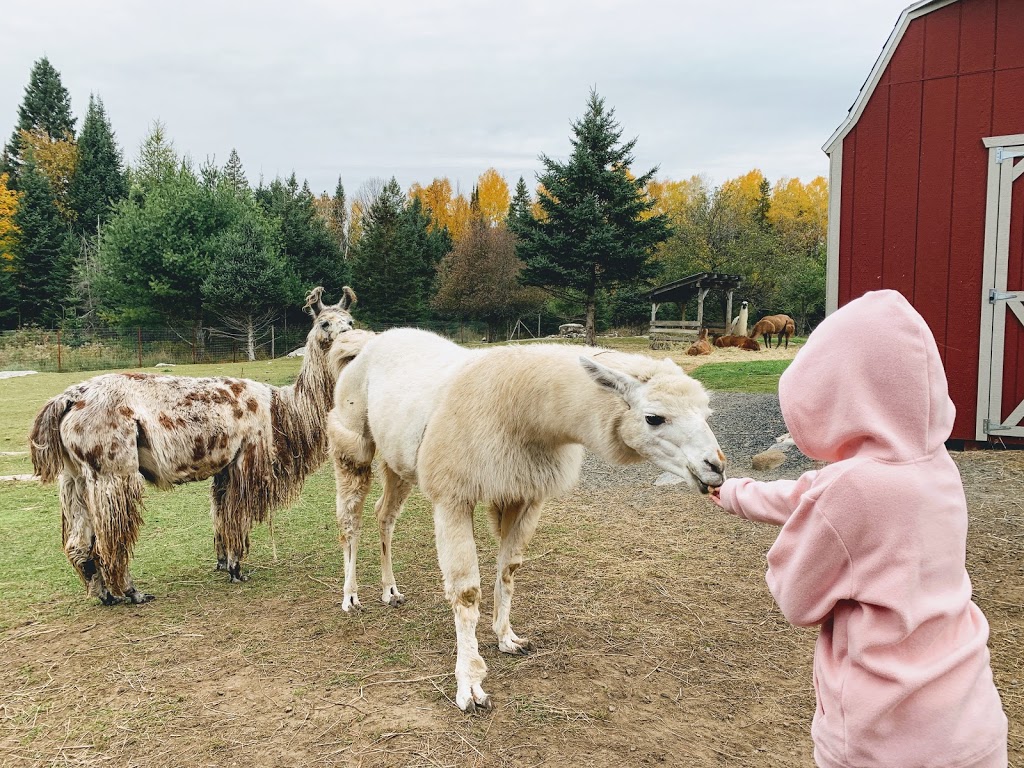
[872, 548]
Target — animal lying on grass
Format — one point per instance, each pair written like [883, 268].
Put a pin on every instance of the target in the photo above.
[507, 426]
[742, 342]
[103, 437]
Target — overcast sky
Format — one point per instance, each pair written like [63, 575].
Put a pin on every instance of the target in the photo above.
[416, 90]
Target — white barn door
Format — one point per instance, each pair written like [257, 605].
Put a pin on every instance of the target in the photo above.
[1002, 314]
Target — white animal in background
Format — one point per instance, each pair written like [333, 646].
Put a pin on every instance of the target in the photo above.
[507, 426]
[738, 326]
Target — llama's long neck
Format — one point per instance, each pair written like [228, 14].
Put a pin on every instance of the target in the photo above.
[300, 414]
[568, 408]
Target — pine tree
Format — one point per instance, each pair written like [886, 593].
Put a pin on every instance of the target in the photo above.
[99, 179]
[395, 259]
[339, 218]
[235, 173]
[41, 252]
[520, 210]
[307, 244]
[46, 107]
[594, 231]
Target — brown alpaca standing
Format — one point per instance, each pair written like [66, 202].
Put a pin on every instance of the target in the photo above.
[701, 345]
[783, 325]
[103, 437]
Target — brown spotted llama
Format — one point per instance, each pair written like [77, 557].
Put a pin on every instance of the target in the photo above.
[103, 437]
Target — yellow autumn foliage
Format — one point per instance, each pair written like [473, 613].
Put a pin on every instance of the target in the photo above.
[8, 229]
[56, 159]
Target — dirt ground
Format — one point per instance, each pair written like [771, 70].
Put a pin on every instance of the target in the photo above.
[657, 644]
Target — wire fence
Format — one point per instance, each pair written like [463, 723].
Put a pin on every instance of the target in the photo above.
[55, 350]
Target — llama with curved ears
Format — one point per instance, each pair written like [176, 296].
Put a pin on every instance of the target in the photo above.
[507, 426]
[103, 437]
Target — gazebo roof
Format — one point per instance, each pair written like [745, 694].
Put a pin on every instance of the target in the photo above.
[683, 290]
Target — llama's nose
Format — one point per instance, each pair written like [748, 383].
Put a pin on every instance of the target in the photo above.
[716, 463]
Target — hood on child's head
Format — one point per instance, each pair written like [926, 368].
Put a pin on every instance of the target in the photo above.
[869, 381]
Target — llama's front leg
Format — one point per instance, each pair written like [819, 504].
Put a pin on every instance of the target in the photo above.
[78, 536]
[514, 525]
[456, 553]
[232, 523]
[113, 502]
[388, 508]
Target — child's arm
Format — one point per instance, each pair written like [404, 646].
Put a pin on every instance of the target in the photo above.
[763, 502]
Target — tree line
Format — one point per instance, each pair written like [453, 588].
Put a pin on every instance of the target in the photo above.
[87, 239]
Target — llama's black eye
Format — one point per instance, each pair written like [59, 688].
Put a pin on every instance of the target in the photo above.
[325, 325]
[654, 421]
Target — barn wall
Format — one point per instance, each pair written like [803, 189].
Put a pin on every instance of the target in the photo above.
[912, 211]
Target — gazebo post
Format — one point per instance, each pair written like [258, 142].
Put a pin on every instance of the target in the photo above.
[728, 310]
[701, 293]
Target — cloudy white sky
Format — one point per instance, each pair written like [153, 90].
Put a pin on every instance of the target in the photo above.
[416, 89]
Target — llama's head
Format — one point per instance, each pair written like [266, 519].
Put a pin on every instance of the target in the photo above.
[666, 420]
[329, 320]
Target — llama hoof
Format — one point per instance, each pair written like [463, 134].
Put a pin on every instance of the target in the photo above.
[109, 599]
[238, 578]
[138, 598]
[517, 646]
[393, 597]
[351, 604]
[477, 703]
[222, 564]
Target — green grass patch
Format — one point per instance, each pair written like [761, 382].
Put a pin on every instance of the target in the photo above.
[758, 376]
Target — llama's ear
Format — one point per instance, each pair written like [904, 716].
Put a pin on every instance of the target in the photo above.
[314, 305]
[608, 377]
[348, 298]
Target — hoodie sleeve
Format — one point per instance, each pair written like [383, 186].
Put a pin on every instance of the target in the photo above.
[764, 502]
[809, 567]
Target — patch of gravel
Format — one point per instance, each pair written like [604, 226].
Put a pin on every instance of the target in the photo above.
[745, 424]
[15, 374]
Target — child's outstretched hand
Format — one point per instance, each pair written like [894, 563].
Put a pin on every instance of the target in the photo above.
[715, 496]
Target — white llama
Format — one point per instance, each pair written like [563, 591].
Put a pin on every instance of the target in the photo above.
[507, 426]
[738, 326]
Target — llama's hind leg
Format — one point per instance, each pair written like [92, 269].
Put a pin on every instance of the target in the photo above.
[388, 509]
[456, 554]
[352, 451]
[514, 525]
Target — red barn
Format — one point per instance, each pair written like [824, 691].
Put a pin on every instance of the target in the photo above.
[927, 197]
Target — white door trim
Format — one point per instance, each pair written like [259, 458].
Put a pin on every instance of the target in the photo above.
[1004, 168]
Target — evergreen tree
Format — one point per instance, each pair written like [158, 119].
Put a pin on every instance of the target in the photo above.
[248, 281]
[594, 231]
[46, 107]
[339, 218]
[235, 173]
[307, 244]
[520, 210]
[395, 258]
[99, 179]
[42, 267]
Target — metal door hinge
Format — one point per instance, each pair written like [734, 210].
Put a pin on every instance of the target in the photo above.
[994, 296]
[1004, 153]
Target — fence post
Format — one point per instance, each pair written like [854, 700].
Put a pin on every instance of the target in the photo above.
[58, 350]
[234, 351]
[139, 329]
[272, 355]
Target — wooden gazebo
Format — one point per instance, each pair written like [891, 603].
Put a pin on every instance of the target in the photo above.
[681, 292]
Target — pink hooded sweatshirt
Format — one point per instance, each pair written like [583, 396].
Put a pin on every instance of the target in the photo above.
[872, 548]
